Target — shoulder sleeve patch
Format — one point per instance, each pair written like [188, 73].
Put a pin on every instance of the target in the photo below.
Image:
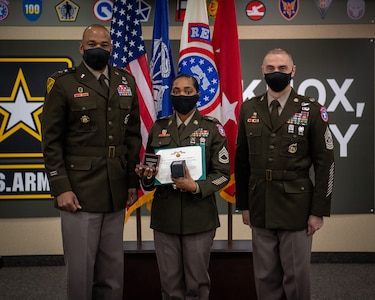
[220, 129]
[324, 114]
[50, 84]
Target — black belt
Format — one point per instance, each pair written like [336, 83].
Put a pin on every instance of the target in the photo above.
[110, 151]
[270, 175]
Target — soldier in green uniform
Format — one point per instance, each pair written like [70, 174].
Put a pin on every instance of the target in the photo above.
[277, 144]
[91, 142]
[184, 215]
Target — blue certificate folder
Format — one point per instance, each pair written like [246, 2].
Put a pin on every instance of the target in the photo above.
[194, 157]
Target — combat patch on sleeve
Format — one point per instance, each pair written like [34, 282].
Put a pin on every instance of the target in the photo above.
[50, 84]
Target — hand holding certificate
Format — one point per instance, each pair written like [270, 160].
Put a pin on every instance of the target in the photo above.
[194, 158]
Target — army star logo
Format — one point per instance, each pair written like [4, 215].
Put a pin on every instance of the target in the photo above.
[20, 110]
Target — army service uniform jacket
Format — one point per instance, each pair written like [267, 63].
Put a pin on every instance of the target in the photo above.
[272, 165]
[178, 212]
[91, 142]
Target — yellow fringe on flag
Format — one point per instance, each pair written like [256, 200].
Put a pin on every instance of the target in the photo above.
[146, 198]
[225, 195]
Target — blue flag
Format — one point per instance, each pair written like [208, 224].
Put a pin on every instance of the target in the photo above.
[161, 65]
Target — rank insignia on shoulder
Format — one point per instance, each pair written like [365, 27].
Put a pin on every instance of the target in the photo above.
[50, 84]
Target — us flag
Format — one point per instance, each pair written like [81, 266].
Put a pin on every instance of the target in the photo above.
[129, 52]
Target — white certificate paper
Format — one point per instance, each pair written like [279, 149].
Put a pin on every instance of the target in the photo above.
[194, 157]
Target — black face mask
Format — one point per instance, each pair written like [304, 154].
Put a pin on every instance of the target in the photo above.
[278, 81]
[184, 104]
[96, 58]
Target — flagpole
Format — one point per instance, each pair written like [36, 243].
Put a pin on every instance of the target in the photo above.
[139, 228]
[230, 224]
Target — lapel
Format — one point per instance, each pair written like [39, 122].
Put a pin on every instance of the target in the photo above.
[190, 128]
[291, 107]
[172, 129]
[115, 79]
[193, 125]
[261, 107]
[85, 77]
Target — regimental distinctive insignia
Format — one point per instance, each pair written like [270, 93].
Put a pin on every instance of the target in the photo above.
[288, 8]
[292, 148]
[355, 9]
[323, 6]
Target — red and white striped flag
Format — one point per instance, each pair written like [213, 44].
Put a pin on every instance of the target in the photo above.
[228, 61]
[129, 52]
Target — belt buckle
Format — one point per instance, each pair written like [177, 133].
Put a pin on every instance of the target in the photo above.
[268, 174]
[111, 151]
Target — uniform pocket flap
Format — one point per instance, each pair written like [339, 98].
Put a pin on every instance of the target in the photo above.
[83, 105]
[160, 142]
[82, 164]
[125, 102]
[298, 186]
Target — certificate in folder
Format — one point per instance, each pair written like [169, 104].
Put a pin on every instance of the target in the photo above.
[194, 157]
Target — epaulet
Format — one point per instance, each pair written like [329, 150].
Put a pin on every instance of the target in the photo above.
[161, 119]
[212, 119]
[63, 72]
[52, 79]
[123, 70]
[304, 100]
[259, 98]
